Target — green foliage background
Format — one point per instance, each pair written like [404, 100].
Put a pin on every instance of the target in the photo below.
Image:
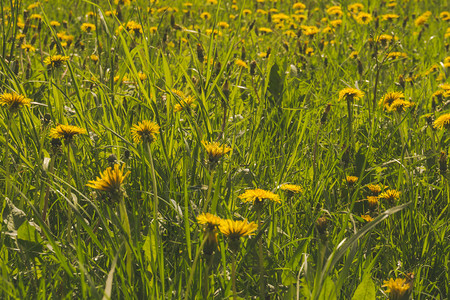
[268, 113]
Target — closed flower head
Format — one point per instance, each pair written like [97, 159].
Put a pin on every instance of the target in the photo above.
[259, 195]
[144, 131]
[66, 132]
[110, 181]
[14, 102]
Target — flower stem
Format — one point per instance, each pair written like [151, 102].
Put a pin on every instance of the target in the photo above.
[210, 184]
[155, 230]
[8, 125]
[191, 274]
[69, 193]
[350, 123]
[47, 191]
[233, 274]
[261, 259]
[127, 229]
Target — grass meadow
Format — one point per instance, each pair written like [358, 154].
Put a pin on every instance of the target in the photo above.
[224, 149]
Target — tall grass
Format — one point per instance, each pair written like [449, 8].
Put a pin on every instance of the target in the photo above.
[62, 239]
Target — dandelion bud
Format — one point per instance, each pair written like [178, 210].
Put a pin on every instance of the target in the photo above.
[405, 21]
[443, 162]
[401, 81]
[321, 225]
[119, 13]
[56, 145]
[126, 154]
[46, 119]
[33, 39]
[217, 68]
[285, 45]
[112, 159]
[200, 53]
[251, 25]
[268, 52]
[226, 89]
[243, 53]
[253, 68]
[269, 18]
[360, 67]
[323, 119]
[172, 21]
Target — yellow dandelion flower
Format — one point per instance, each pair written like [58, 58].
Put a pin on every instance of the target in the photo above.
[241, 63]
[28, 48]
[205, 16]
[209, 220]
[390, 195]
[298, 6]
[351, 180]
[335, 11]
[258, 196]
[13, 101]
[237, 229]
[88, 27]
[350, 94]
[215, 150]
[122, 2]
[396, 55]
[363, 18]
[355, 8]
[66, 132]
[445, 86]
[134, 27]
[55, 61]
[185, 104]
[445, 16]
[390, 97]
[375, 189]
[291, 188]
[309, 30]
[336, 23]
[223, 25]
[144, 131]
[354, 54]
[265, 30]
[367, 218]
[397, 288]
[210, 224]
[94, 58]
[55, 24]
[373, 201]
[422, 19]
[442, 122]
[400, 105]
[110, 181]
[389, 17]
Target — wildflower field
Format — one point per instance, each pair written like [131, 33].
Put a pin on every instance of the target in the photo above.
[224, 149]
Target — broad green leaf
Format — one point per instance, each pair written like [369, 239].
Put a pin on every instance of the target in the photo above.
[365, 290]
[328, 290]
